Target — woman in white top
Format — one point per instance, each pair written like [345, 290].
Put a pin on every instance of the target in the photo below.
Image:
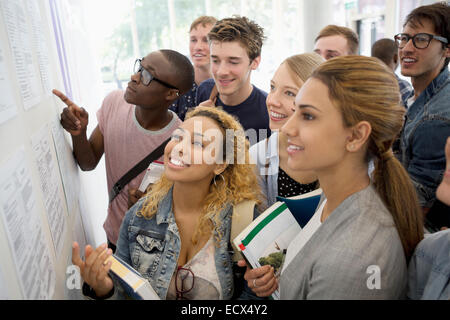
[275, 177]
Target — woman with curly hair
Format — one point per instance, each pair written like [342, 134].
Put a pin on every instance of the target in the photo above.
[177, 236]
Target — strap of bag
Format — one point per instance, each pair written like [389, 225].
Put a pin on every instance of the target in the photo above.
[214, 94]
[241, 218]
[138, 168]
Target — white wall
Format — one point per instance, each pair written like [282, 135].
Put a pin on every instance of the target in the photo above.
[41, 184]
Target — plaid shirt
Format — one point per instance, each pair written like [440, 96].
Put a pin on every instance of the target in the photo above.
[405, 90]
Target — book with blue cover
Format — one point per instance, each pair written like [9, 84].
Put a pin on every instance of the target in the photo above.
[303, 206]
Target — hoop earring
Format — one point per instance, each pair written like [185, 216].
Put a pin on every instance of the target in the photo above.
[223, 179]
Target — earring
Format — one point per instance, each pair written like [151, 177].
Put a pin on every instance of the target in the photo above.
[223, 179]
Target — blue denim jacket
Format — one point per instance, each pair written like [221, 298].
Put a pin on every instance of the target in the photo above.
[427, 126]
[429, 269]
[152, 246]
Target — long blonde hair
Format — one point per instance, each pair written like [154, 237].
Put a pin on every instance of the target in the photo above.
[365, 89]
[238, 182]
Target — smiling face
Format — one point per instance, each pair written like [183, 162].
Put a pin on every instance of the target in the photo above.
[194, 152]
[316, 134]
[199, 46]
[422, 65]
[280, 100]
[231, 68]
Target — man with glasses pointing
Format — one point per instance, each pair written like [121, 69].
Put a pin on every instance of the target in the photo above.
[131, 124]
[424, 56]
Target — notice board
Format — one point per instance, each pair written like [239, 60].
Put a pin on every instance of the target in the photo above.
[43, 205]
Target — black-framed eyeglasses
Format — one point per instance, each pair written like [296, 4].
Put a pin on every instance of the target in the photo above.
[147, 77]
[419, 40]
[184, 282]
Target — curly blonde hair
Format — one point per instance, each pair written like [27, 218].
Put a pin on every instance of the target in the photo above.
[238, 182]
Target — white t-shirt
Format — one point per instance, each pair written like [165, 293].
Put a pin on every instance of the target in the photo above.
[410, 101]
[303, 237]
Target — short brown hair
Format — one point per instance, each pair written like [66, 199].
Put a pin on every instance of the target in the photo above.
[347, 33]
[247, 32]
[438, 14]
[384, 49]
[204, 21]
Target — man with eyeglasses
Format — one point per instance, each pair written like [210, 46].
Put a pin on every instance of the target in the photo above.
[131, 124]
[424, 56]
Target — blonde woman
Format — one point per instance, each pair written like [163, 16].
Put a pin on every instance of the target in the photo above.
[364, 231]
[177, 236]
[275, 177]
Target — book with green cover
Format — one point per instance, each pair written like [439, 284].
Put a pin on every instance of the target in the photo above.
[266, 239]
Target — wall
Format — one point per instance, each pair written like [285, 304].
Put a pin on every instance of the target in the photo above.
[45, 201]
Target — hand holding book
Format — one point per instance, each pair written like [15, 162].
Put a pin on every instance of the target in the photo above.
[94, 270]
[265, 241]
[262, 281]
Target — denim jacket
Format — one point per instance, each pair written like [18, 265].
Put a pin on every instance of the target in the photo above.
[427, 126]
[152, 246]
[429, 269]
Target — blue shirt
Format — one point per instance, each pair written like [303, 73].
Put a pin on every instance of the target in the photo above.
[422, 142]
[429, 269]
[185, 102]
[251, 113]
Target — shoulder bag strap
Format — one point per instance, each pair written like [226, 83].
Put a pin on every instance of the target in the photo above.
[241, 218]
[138, 168]
[214, 94]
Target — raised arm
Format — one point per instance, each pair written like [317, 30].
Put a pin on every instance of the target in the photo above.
[75, 120]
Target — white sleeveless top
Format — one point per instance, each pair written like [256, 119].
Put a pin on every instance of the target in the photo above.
[206, 280]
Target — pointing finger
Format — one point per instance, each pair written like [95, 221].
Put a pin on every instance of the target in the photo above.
[76, 259]
[66, 100]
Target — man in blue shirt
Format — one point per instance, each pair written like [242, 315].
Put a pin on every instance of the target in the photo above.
[424, 55]
[199, 54]
[235, 48]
